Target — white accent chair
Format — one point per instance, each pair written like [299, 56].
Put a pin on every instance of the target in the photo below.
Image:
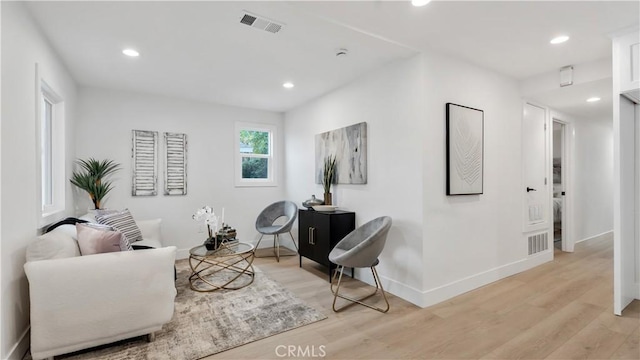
[78, 302]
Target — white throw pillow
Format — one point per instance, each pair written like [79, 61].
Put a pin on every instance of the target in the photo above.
[57, 244]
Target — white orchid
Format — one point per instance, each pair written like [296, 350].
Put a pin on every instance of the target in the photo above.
[208, 215]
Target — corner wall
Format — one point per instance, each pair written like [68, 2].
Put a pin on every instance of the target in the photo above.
[108, 116]
[22, 47]
[390, 101]
[472, 240]
[593, 178]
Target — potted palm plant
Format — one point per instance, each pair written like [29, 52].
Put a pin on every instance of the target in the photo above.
[328, 177]
[91, 178]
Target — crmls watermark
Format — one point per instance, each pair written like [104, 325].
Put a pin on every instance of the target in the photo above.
[307, 351]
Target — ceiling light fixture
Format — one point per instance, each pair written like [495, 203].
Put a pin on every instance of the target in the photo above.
[559, 39]
[593, 99]
[418, 3]
[131, 52]
[288, 85]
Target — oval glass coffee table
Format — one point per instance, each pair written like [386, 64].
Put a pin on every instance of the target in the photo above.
[228, 267]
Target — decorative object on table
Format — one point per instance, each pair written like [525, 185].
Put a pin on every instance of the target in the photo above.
[208, 215]
[465, 147]
[227, 233]
[310, 203]
[175, 173]
[328, 178]
[360, 249]
[225, 316]
[325, 208]
[349, 146]
[93, 178]
[144, 154]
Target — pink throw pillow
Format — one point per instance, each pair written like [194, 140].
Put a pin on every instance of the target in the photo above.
[94, 241]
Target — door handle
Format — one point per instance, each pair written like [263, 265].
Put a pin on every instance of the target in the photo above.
[311, 239]
[530, 189]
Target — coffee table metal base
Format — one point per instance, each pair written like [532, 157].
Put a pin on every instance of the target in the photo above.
[221, 272]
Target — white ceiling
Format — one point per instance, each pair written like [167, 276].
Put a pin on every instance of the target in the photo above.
[199, 50]
[572, 99]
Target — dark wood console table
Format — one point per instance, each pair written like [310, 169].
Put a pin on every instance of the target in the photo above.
[320, 231]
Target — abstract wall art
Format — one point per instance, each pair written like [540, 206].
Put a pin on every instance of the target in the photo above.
[349, 145]
[465, 150]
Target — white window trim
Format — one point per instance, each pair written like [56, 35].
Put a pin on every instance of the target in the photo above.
[48, 214]
[273, 158]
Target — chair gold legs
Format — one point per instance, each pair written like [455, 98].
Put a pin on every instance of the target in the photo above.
[276, 246]
[336, 295]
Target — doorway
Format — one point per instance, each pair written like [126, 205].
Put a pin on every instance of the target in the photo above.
[558, 183]
[562, 182]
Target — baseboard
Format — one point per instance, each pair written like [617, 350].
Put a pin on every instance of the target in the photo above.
[442, 293]
[595, 236]
[21, 347]
[182, 254]
[391, 286]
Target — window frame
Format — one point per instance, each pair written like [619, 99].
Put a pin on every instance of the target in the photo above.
[56, 154]
[271, 157]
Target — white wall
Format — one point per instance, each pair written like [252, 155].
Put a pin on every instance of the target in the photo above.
[593, 177]
[22, 47]
[472, 240]
[105, 132]
[389, 100]
[440, 246]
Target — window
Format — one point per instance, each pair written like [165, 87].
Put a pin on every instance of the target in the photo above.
[52, 159]
[255, 162]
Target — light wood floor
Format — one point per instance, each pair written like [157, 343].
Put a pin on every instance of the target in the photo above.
[560, 310]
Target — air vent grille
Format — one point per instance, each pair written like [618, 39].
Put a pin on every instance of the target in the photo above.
[248, 19]
[260, 22]
[538, 243]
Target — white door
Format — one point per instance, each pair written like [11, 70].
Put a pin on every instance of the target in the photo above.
[625, 285]
[534, 157]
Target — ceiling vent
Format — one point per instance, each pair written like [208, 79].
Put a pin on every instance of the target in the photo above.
[260, 22]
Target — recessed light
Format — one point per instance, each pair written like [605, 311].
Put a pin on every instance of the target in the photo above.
[593, 99]
[418, 3]
[559, 39]
[130, 52]
[288, 85]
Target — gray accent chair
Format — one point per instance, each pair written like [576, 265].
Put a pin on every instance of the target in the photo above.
[360, 249]
[265, 223]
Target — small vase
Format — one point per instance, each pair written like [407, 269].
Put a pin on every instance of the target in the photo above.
[211, 243]
[327, 198]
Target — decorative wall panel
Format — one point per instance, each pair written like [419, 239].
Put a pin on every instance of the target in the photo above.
[175, 174]
[144, 159]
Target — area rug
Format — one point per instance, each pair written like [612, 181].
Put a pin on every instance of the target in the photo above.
[204, 324]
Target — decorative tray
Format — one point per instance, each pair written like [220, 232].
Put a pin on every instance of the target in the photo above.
[325, 208]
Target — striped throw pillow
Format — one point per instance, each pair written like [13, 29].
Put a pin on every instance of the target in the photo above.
[123, 222]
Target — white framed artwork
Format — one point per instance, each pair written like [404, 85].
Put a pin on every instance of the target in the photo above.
[465, 150]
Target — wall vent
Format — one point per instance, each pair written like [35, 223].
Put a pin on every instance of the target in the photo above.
[538, 243]
[260, 22]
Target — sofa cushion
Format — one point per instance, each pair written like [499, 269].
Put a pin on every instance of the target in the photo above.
[97, 241]
[57, 244]
[123, 222]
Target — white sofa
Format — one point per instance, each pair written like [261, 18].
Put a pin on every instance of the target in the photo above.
[78, 302]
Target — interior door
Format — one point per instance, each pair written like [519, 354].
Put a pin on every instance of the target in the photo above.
[534, 156]
[626, 239]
